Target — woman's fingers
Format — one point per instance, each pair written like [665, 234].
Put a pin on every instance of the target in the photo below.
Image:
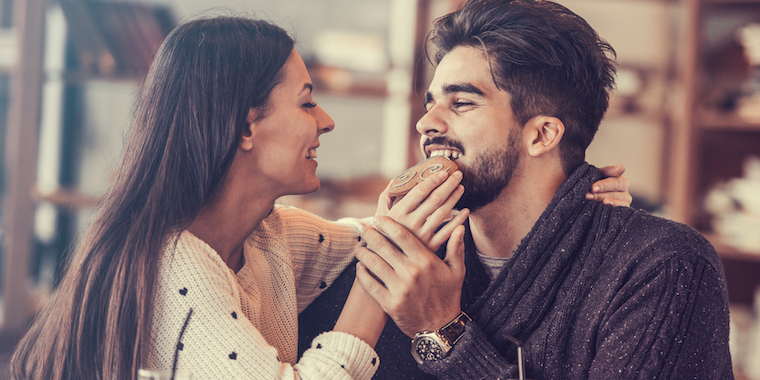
[445, 232]
[612, 190]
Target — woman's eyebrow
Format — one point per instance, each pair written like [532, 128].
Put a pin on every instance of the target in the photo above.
[307, 86]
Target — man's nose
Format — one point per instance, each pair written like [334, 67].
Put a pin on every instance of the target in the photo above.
[431, 124]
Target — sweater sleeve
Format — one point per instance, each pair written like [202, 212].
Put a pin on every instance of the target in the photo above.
[217, 341]
[473, 357]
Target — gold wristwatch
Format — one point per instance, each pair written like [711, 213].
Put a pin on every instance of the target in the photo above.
[435, 345]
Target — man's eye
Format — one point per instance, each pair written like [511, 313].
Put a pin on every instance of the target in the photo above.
[310, 105]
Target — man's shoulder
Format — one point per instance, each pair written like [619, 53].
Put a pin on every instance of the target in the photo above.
[661, 238]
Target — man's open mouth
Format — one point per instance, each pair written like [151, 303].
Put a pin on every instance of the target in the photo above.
[450, 154]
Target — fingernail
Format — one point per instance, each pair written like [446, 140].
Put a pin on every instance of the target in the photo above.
[443, 175]
[589, 196]
[597, 189]
[458, 174]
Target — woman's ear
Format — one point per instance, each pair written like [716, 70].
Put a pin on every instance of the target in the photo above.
[246, 142]
[546, 133]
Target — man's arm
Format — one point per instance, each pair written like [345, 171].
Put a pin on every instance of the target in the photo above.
[671, 322]
[423, 294]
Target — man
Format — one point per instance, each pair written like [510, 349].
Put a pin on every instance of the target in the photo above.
[591, 291]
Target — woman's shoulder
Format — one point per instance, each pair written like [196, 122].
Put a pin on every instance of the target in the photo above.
[286, 219]
[189, 260]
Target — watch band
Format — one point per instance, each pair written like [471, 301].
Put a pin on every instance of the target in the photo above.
[452, 331]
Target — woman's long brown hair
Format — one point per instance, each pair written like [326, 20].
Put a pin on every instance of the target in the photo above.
[187, 126]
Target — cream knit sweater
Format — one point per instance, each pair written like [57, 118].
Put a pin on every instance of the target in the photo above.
[245, 325]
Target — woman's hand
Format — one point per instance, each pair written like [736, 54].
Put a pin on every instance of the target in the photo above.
[426, 207]
[612, 190]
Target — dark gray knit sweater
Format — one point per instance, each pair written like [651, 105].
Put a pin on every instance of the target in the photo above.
[593, 292]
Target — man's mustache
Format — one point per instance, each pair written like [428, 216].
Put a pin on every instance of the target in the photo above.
[441, 140]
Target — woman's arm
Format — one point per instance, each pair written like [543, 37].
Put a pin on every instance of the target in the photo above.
[362, 316]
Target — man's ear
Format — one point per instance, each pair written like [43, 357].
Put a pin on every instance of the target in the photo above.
[545, 133]
[246, 142]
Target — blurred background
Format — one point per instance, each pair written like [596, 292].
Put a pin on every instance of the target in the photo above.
[685, 119]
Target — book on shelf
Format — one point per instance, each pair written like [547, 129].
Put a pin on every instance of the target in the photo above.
[115, 39]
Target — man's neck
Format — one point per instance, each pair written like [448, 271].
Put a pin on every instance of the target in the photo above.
[499, 227]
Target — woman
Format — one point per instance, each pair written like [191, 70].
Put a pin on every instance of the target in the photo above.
[189, 266]
[225, 126]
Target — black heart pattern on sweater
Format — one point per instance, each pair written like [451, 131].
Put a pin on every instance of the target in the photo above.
[183, 291]
[233, 355]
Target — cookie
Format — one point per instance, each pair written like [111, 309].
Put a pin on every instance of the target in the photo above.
[418, 173]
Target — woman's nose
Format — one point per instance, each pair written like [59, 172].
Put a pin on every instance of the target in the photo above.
[324, 122]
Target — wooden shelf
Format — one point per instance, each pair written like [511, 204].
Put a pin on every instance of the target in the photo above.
[727, 251]
[69, 198]
[731, 2]
[339, 81]
[713, 121]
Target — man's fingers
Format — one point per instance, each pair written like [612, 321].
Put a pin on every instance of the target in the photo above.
[409, 244]
[381, 248]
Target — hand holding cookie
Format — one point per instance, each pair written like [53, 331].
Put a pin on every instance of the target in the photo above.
[423, 197]
[411, 177]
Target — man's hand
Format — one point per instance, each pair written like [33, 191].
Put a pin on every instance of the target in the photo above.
[612, 190]
[415, 287]
[426, 207]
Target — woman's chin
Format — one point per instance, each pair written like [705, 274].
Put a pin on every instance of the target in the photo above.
[309, 188]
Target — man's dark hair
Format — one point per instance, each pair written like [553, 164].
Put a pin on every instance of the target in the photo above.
[546, 57]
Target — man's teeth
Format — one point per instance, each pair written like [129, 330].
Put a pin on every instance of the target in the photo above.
[453, 155]
[312, 153]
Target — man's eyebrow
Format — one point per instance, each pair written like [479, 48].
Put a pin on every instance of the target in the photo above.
[461, 87]
[454, 88]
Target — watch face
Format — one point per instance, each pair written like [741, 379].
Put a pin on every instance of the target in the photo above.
[428, 349]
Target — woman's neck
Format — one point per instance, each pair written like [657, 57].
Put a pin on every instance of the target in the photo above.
[226, 223]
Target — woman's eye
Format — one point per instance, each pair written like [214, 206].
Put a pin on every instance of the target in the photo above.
[310, 105]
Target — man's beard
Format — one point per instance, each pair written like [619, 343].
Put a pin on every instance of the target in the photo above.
[490, 174]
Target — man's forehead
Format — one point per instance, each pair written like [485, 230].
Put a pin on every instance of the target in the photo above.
[463, 68]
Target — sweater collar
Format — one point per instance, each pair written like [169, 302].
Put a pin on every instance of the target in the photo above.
[535, 250]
